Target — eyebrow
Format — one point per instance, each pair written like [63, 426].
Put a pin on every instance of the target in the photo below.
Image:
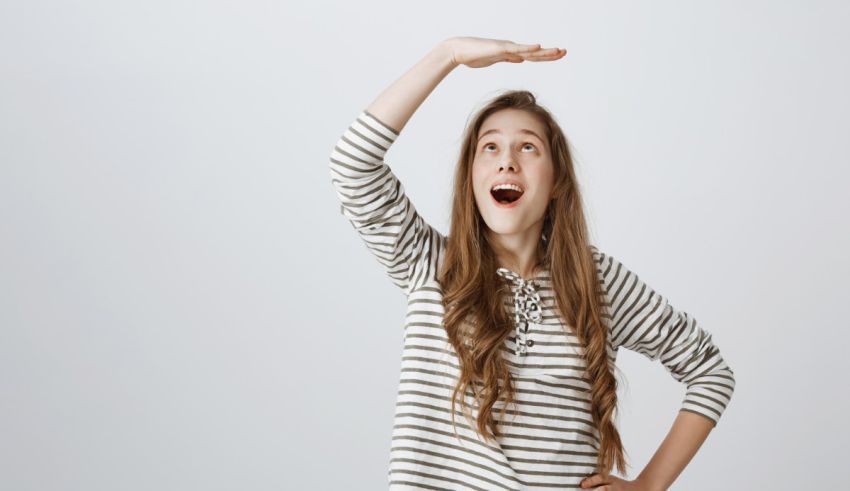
[522, 130]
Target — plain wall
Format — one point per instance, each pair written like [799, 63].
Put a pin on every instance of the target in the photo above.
[183, 306]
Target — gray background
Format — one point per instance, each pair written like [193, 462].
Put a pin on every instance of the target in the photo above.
[183, 306]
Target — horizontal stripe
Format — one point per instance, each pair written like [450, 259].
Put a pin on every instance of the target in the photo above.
[548, 440]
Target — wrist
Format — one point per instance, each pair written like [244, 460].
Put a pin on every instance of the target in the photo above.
[646, 485]
[445, 48]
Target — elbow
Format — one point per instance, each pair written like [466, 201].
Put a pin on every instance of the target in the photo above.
[731, 382]
[711, 392]
[726, 388]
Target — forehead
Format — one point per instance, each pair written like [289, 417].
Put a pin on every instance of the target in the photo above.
[512, 121]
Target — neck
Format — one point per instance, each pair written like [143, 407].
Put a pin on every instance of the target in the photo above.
[518, 251]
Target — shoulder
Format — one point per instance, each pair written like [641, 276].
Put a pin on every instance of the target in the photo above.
[599, 257]
[607, 266]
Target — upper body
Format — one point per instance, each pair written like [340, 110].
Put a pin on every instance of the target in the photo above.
[549, 441]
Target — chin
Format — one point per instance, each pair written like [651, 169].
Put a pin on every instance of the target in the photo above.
[505, 228]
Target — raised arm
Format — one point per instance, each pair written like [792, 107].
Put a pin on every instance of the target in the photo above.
[397, 103]
[371, 196]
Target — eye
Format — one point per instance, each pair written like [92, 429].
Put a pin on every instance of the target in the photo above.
[523, 146]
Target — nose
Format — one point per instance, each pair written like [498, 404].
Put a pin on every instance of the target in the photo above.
[509, 166]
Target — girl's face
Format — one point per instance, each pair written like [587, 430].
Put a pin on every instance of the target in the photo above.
[512, 148]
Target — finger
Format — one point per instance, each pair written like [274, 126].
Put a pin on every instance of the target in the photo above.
[594, 480]
[523, 48]
[546, 56]
[548, 52]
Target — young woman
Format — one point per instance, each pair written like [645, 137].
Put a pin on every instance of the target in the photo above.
[514, 319]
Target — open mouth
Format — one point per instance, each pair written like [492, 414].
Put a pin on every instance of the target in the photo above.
[506, 194]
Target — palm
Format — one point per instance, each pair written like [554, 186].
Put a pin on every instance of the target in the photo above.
[477, 52]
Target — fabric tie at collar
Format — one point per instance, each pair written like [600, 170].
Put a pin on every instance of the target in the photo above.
[527, 306]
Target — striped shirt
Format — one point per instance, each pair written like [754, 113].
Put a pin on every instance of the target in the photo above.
[549, 440]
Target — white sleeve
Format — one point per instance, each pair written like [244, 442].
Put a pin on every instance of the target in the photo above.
[644, 321]
[374, 201]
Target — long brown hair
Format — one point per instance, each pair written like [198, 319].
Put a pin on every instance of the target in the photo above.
[475, 319]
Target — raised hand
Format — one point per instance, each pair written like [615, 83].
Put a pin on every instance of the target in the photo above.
[478, 52]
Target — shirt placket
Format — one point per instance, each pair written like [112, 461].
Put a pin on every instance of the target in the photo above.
[527, 308]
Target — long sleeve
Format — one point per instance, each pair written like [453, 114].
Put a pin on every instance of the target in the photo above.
[373, 200]
[644, 321]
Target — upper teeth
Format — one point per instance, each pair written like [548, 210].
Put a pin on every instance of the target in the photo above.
[507, 186]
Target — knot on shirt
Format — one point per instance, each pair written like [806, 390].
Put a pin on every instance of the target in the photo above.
[527, 305]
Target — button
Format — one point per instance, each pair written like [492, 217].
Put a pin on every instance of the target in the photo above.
[530, 343]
